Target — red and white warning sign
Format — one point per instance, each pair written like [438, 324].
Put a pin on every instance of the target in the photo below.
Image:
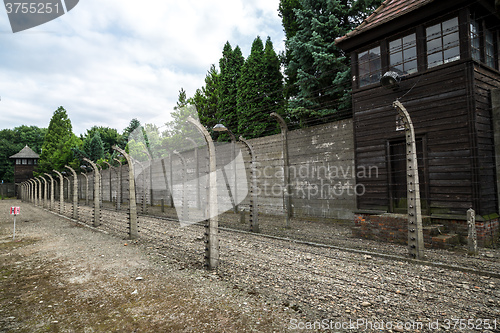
[15, 210]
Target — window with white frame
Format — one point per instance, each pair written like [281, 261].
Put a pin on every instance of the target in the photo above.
[443, 43]
[403, 54]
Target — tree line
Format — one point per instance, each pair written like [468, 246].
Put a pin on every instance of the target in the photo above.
[58, 146]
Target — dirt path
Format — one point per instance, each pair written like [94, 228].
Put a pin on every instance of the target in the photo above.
[58, 276]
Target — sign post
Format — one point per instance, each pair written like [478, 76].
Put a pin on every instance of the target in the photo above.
[14, 211]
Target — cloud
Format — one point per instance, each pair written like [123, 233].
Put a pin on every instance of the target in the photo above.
[110, 61]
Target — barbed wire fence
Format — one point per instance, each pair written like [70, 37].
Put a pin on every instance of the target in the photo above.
[324, 187]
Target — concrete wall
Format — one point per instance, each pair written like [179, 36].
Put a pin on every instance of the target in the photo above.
[322, 174]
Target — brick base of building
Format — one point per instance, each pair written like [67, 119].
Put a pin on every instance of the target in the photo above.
[438, 233]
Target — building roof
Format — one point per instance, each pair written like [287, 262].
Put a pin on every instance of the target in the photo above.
[388, 10]
[26, 152]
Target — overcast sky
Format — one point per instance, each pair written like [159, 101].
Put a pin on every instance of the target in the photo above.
[109, 61]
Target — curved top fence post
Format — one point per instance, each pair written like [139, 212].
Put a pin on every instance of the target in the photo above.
[254, 209]
[133, 231]
[287, 202]
[61, 191]
[97, 193]
[212, 250]
[75, 191]
[415, 232]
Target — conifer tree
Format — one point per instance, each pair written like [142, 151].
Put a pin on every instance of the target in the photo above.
[318, 70]
[58, 143]
[259, 91]
[230, 67]
[206, 99]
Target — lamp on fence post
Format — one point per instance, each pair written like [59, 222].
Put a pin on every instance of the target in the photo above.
[97, 191]
[254, 208]
[75, 192]
[212, 234]
[221, 128]
[119, 193]
[287, 202]
[132, 211]
[51, 190]
[415, 233]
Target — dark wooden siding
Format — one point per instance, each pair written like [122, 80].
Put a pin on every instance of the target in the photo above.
[439, 104]
[485, 81]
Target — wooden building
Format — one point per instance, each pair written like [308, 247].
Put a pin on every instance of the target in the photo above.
[446, 55]
[25, 164]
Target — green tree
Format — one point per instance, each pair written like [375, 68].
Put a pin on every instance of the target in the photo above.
[94, 147]
[318, 69]
[286, 11]
[260, 91]
[133, 125]
[206, 99]
[230, 69]
[8, 147]
[109, 137]
[12, 141]
[58, 143]
[178, 130]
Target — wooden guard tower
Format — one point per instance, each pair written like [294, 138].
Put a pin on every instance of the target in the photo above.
[25, 164]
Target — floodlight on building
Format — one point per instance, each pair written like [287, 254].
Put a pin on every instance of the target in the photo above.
[390, 80]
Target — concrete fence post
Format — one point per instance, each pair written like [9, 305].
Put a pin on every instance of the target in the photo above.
[132, 210]
[184, 204]
[86, 188]
[119, 193]
[164, 169]
[171, 179]
[32, 191]
[254, 209]
[287, 200]
[75, 192]
[99, 169]
[61, 192]
[415, 229]
[97, 193]
[212, 234]
[44, 191]
[110, 181]
[51, 207]
[472, 236]
[39, 185]
[143, 194]
[197, 173]
[150, 159]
